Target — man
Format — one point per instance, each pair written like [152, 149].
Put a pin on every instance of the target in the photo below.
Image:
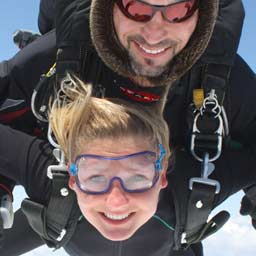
[152, 54]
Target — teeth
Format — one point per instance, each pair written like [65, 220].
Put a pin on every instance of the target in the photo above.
[152, 51]
[116, 217]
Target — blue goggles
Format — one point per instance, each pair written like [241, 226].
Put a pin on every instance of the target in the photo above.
[136, 172]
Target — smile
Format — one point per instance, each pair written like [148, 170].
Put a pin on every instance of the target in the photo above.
[116, 217]
[157, 51]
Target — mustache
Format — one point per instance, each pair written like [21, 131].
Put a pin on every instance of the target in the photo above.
[162, 44]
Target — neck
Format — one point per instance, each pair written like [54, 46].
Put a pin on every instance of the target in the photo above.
[142, 81]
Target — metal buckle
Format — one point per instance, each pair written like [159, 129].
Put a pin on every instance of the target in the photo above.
[216, 110]
[56, 169]
[183, 238]
[58, 154]
[62, 234]
[6, 211]
[61, 167]
[207, 169]
[205, 181]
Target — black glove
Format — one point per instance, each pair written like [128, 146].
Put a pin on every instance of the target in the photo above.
[248, 207]
[72, 34]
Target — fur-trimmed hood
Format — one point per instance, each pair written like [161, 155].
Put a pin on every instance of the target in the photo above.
[116, 57]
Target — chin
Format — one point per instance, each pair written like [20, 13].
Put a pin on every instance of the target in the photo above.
[117, 236]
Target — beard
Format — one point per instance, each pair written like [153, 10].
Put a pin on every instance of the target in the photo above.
[147, 67]
[148, 70]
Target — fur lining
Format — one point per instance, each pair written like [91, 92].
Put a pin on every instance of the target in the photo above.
[116, 57]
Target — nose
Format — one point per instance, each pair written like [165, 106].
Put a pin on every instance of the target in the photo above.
[154, 30]
[116, 197]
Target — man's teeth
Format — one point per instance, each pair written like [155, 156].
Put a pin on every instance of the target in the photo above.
[151, 51]
[116, 217]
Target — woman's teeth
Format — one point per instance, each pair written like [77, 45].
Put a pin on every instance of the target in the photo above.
[116, 217]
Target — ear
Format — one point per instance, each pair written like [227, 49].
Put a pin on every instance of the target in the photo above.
[163, 178]
[71, 182]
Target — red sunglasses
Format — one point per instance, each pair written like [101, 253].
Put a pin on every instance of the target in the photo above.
[141, 11]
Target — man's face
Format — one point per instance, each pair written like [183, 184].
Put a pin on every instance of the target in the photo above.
[153, 44]
[117, 214]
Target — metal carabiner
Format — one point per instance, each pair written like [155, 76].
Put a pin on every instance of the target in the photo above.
[206, 171]
[211, 99]
[218, 133]
[58, 154]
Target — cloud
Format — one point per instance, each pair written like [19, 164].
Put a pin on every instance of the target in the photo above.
[236, 238]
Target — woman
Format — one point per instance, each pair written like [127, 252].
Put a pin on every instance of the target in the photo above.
[117, 155]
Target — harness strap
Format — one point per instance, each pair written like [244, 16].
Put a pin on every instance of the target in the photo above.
[58, 213]
[192, 225]
[208, 228]
[200, 205]
[70, 59]
[216, 77]
[55, 223]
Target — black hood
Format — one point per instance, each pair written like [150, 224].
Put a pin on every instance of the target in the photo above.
[116, 57]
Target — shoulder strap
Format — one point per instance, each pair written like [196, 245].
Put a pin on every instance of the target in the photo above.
[216, 76]
[192, 207]
[192, 225]
[56, 222]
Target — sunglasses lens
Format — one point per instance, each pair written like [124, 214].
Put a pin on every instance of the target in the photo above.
[136, 10]
[143, 12]
[180, 11]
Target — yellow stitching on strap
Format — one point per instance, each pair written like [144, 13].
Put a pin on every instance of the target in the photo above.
[198, 97]
[51, 70]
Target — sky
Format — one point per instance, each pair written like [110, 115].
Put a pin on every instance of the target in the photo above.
[237, 237]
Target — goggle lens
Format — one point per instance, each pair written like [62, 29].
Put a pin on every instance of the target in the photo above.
[140, 11]
[136, 172]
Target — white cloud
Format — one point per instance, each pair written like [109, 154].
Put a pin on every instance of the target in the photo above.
[236, 238]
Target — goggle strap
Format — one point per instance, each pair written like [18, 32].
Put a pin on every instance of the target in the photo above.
[73, 169]
[162, 153]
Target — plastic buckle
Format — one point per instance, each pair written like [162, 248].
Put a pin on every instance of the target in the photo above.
[6, 211]
[207, 169]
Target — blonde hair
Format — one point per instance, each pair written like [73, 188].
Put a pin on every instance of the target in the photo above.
[77, 118]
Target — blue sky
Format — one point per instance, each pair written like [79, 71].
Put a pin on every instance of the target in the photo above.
[237, 238]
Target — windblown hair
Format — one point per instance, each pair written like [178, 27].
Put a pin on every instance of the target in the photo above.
[78, 118]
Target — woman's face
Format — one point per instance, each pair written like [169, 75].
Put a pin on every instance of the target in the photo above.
[117, 214]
